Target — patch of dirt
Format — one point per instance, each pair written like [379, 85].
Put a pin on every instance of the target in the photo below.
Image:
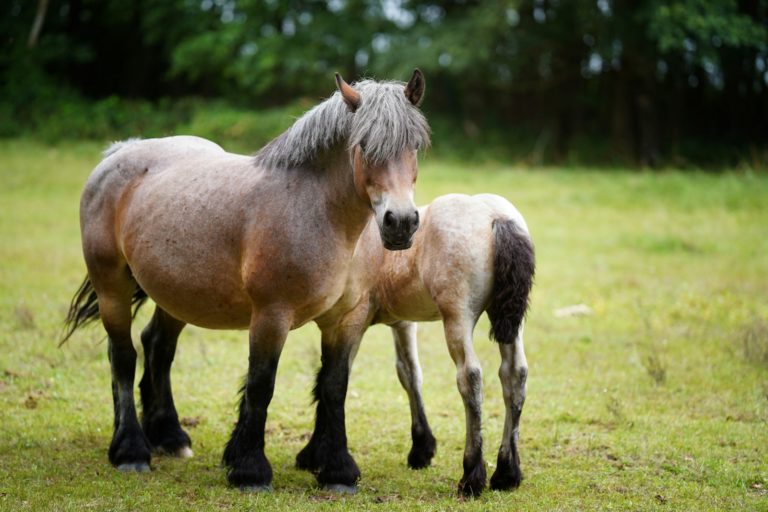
[190, 421]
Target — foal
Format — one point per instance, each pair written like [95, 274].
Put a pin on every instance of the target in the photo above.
[226, 241]
[471, 254]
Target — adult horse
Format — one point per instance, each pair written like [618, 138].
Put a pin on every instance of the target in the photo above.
[226, 241]
[471, 254]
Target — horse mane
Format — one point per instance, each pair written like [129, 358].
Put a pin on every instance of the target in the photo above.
[385, 124]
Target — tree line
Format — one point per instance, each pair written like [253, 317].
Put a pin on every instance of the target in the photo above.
[648, 81]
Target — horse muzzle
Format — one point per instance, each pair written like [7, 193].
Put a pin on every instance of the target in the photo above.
[397, 230]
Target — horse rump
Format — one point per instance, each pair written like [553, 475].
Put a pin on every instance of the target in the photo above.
[84, 307]
[514, 267]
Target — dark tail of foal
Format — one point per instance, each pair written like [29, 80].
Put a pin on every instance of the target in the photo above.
[514, 266]
[84, 307]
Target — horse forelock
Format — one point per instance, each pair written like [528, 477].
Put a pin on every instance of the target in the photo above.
[385, 125]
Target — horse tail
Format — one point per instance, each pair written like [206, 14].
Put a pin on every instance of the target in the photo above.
[84, 307]
[514, 267]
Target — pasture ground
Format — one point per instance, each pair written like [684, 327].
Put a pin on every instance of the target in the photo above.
[658, 400]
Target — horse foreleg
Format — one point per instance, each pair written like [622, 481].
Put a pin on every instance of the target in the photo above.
[327, 452]
[248, 467]
[469, 378]
[513, 373]
[129, 449]
[409, 373]
[159, 418]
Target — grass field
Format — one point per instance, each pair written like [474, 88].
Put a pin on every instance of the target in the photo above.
[657, 400]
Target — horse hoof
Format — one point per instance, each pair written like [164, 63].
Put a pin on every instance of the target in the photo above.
[340, 488]
[185, 452]
[134, 467]
[255, 488]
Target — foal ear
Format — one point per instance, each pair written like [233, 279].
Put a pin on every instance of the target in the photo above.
[414, 90]
[351, 96]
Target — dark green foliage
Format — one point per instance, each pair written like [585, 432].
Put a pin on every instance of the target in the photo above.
[540, 81]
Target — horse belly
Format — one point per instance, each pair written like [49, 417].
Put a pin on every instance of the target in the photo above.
[194, 295]
[411, 302]
[184, 250]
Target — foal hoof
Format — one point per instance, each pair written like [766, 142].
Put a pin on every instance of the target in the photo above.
[473, 481]
[134, 467]
[340, 488]
[507, 476]
[422, 451]
[255, 488]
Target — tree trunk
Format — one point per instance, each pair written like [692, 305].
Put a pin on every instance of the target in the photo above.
[37, 25]
[621, 117]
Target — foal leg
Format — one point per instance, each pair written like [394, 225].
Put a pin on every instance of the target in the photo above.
[327, 453]
[469, 378]
[159, 418]
[247, 466]
[513, 373]
[129, 449]
[409, 373]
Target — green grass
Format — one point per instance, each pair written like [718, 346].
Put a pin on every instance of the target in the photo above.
[658, 400]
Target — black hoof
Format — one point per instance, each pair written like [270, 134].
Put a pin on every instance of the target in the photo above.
[507, 475]
[254, 476]
[256, 488]
[246, 471]
[473, 482]
[129, 450]
[133, 467]
[340, 470]
[341, 489]
[307, 458]
[422, 451]
[166, 436]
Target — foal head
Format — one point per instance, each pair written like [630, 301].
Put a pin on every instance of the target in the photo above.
[386, 132]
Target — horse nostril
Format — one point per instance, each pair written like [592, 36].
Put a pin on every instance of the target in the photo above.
[416, 219]
[389, 219]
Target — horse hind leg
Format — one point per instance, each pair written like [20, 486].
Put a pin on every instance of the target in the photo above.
[469, 378]
[409, 372]
[513, 374]
[159, 418]
[129, 449]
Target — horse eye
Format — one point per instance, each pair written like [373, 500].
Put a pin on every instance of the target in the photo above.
[362, 146]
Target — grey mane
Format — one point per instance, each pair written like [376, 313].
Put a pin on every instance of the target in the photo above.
[385, 124]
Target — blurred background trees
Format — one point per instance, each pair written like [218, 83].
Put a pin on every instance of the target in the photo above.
[648, 82]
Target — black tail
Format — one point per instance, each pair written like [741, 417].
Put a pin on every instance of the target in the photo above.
[514, 266]
[84, 308]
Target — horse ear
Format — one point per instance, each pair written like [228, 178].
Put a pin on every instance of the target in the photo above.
[414, 90]
[351, 96]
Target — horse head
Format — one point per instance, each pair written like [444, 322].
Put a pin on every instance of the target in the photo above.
[387, 132]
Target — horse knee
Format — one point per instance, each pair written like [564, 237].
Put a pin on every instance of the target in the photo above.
[470, 381]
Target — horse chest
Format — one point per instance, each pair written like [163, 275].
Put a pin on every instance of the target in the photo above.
[308, 281]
